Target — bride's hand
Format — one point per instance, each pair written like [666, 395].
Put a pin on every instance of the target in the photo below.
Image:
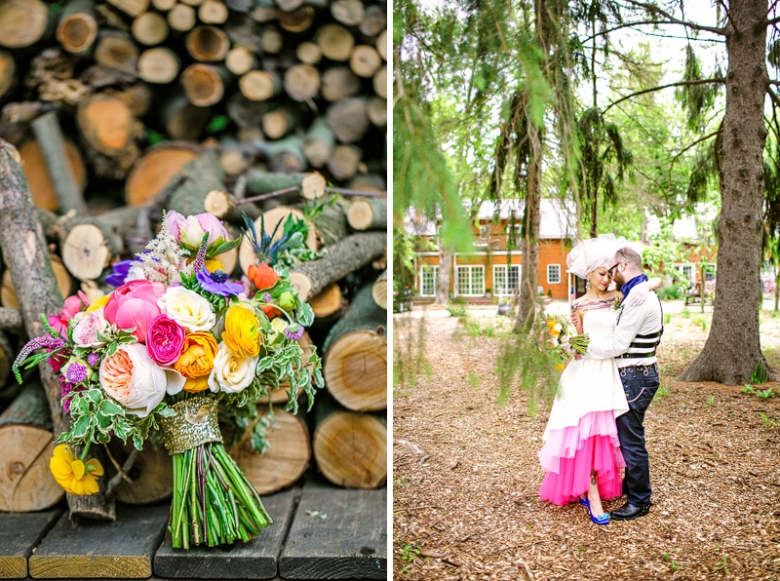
[639, 294]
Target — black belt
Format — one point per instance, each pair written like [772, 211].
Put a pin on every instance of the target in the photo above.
[636, 355]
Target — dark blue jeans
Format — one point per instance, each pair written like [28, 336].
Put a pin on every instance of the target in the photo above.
[640, 387]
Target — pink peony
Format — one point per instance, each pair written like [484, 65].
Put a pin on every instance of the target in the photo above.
[164, 340]
[73, 305]
[134, 304]
[85, 333]
[189, 231]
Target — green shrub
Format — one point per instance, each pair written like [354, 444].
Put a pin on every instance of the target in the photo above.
[457, 310]
[670, 293]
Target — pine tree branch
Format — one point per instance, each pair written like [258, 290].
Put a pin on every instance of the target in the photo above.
[653, 9]
[660, 87]
[687, 147]
[639, 23]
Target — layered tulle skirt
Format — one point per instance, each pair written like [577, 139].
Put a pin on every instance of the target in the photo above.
[571, 453]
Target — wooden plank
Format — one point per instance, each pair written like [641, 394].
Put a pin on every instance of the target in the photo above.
[350, 542]
[19, 535]
[257, 559]
[120, 549]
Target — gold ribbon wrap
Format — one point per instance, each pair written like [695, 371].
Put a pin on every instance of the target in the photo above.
[194, 423]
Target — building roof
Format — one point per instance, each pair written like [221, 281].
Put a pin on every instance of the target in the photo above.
[558, 219]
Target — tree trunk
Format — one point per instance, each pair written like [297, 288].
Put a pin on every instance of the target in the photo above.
[445, 276]
[24, 251]
[732, 354]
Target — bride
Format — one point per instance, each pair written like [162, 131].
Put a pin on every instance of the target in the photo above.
[581, 454]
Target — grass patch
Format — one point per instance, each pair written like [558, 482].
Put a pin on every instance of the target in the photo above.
[473, 380]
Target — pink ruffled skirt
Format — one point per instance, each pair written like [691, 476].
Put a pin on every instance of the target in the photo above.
[570, 454]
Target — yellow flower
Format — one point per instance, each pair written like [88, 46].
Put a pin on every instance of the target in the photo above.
[213, 265]
[197, 360]
[554, 332]
[101, 302]
[559, 366]
[278, 325]
[73, 475]
[242, 333]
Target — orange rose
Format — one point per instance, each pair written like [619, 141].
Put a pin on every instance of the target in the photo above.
[262, 276]
[197, 360]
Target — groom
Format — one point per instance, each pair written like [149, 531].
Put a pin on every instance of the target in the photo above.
[637, 333]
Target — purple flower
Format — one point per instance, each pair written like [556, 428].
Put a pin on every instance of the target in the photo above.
[217, 283]
[268, 298]
[76, 373]
[121, 269]
[66, 389]
[294, 332]
[93, 359]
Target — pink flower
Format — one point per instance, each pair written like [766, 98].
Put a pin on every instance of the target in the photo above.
[85, 333]
[164, 340]
[189, 231]
[73, 305]
[134, 304]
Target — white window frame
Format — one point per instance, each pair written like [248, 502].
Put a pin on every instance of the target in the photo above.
[425, 269]
[710, 274]
[681, 266]
[505, 267]
[551, 268]
[457, 280]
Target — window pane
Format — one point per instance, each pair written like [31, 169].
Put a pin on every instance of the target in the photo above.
[553, 273]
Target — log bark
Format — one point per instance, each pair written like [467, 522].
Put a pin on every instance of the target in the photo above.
[77, 29]
[22, 22]
[308, 53]
[117, 50]
[207, 44]
[10, 320]
[40, 183]
[52, 143]
[368, 214]
[319, 143]
[159, 65]
[355, 365]
[331, 224]
[32, 274]
[150, 28]
[335, 41]
[347, 255]
[245, 112]
[204, 85]
[285, 155]
[369, 182]
[339, 82]
[182, 17]
[350, 448]
[62, 277]
[348, 119]
[379, 291]
[312, 184]
[286, 459]
[302, 82]
[155, 170]
[26, 483]
[200, 176]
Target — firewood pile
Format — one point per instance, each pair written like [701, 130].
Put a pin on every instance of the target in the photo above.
[123, 109]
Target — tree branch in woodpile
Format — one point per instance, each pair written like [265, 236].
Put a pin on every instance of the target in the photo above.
[24, 251]
[11, 320]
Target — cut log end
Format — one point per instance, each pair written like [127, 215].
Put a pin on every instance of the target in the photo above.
[302, 82]
[38, 179]
[355, 371]
[217, 203]
[77, 32]
[308, 53]
[158, 65]
[360, 214]
[85, 252]
[154, 171]
[107, 124]
[239, 60]
[150, 28]
[313, 186]
[327, 302]
[351, 449]
[182, 17]
[202, 84]
[258, 85]
[207, 44]
[22, 22]
[379, 291]
[303, 283]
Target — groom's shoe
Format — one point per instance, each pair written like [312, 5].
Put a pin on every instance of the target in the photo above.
[630, 511]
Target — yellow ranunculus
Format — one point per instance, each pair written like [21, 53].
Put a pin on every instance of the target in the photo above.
[101, 302]
[197, 360]
[554, 333]
[242, 333]
[75, 476]
[551, 322]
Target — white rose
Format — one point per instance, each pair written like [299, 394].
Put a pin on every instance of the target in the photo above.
[187, 308]
[85, 333]
[135, 381]
[231, 372]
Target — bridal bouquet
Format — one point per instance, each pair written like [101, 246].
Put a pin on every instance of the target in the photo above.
[173, 346]
[560, 342]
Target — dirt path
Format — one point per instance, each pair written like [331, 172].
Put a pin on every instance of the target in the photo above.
[466, 474]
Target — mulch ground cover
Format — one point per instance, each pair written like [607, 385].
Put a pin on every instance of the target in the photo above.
[466, 474]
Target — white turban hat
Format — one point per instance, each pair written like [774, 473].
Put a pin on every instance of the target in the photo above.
[590, 254]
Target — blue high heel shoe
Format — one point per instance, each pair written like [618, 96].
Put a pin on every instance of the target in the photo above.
[600, 519]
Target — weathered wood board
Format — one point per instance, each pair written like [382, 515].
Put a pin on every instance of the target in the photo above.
[120, 549]
[350, 542]
[257, 559]
[19, 535]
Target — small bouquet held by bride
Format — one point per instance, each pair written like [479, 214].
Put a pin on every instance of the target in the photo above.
[560, 342]
[173, 346]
